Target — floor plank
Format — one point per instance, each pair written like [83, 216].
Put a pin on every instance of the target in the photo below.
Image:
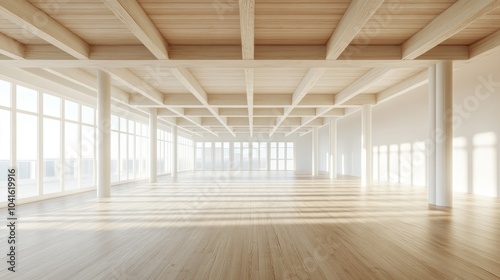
[256, 225]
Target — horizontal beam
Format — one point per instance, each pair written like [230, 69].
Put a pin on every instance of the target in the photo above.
[261, 64]
[26, 15]
[453, 20]
[361, 84]
[11, 48]
[409, 84]
[131, 13]
[262, 52]
[354, 19]
[265, 104]
[485, 46]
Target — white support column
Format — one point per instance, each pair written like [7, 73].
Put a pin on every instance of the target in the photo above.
[62, 152]
[174, 151]
[366, 147]
[333, 149]
[103, 134]
[268, 155]
[231, 156]
[40, 132]
[431, 147]
[13, 128]
[315, 151]
[444, 132]
[212, 155]
[153, 143]
[194, 156]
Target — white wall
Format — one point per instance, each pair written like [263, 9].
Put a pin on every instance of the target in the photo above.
[400, 131]
[303, 154]
[323, 148]
[349, 145]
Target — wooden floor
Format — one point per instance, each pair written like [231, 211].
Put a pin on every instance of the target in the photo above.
[257, 226]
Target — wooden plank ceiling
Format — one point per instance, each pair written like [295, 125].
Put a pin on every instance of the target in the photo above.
[249, 67]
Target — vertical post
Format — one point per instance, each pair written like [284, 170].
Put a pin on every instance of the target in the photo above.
[231, 156]
[174, 151]
[212, 155]
[62, 150]
[444, 132]
[103, 134]
[13, 127]
[40, 132]
[315, 151]
[194, 156]
[268, 155]
[431, 148]
[153, 143]
[366, 149]
[333, 149]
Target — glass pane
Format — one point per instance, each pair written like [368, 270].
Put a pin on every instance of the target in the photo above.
[88, 134]
[27, 140]
[168, 157]
[227, 162]
[131, 148]
[4, 152]
[218, 156]
[245, 164]
[115, 122]
[71, 110]
[27, 99]
[4, 94]
[208, 156]
[71, 152]
[123, 156]
[51, 105]
[123, 125]
[131, 126]
[138, 128]
[237, 156]
[263, 156]
[87, 115]
[51, 156]
[115, 145]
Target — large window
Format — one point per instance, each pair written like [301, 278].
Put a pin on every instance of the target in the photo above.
[245, 156]
[199, 156]
[5, 137]
[129, 149]
[185, 154]
[218, 164]
[164, 152]
[27, 155]
[207, 160]
[54, 142]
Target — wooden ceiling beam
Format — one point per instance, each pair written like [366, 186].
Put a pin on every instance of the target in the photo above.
[409, 84]
[24, 14]
[132, 81]
[361, 84]
[247, 27]
[11, 48]
[310, 79]
[356, 16]
[485, 46]
[83, 78]
[187, 79]
[455, 19]
[249, 84]
[348, 93]
[131, 13]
